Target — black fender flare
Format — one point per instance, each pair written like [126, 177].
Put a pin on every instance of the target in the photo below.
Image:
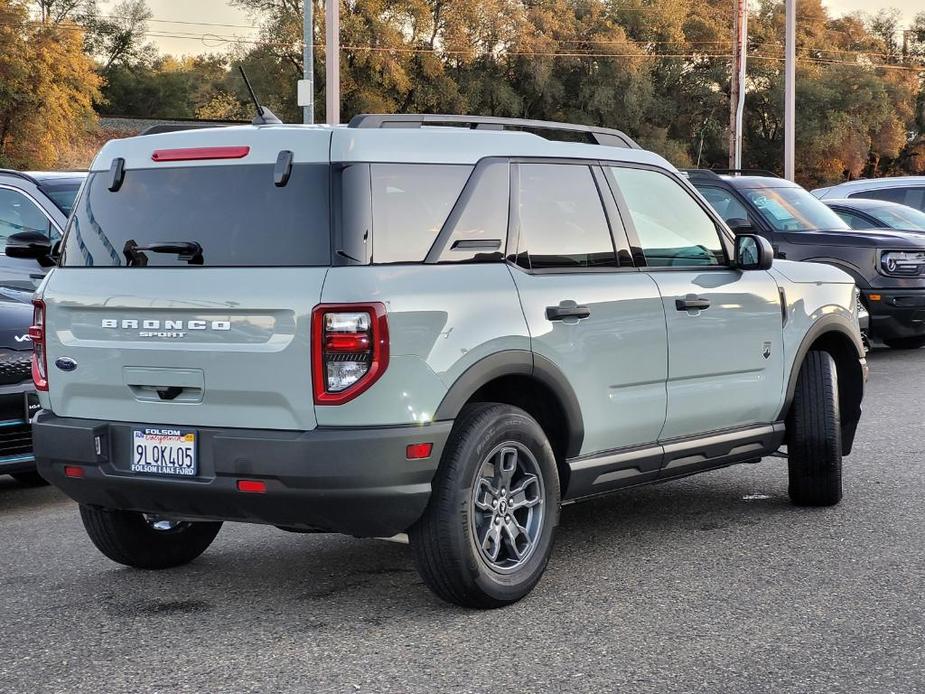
[853, 393]
[517, 362]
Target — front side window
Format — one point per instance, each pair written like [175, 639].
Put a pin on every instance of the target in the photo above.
[18, 213]
[793, 209]
[62, 194]
[410, 203]
[855, 221]
[673, 229]
[562, 219]
[726, 205]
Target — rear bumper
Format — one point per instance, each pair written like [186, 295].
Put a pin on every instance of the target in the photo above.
[354, 481]
[898, 313]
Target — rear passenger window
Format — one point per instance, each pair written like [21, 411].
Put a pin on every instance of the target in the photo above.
[562, 220]
[410, 204]
[673, 229]
[913, 197]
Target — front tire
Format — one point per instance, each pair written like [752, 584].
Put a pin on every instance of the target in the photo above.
[486, 536]
[146, 542]
[814, 430]
[906, 342]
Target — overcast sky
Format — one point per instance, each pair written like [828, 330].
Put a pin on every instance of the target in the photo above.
[193, 38]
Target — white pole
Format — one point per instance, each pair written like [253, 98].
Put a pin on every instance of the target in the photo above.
[737, 84]
[332, 61]
[790, 91]
[307, 86]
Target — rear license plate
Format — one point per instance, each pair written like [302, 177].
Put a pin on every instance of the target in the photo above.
[164, 452]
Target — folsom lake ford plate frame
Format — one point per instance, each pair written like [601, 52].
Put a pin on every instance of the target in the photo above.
[164, 451]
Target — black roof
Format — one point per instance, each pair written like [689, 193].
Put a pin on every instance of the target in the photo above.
[40, 177]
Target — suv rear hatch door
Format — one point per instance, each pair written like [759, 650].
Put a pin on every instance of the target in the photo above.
[185, 289]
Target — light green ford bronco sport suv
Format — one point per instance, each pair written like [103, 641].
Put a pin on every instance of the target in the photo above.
[437, 325]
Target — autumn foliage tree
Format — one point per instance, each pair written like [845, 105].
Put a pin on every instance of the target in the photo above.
[47, 88]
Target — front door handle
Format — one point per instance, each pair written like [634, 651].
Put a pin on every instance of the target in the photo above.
[567, 309]
[692, 302]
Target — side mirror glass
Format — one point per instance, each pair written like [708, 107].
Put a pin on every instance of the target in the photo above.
[32, 245]
[753, 252]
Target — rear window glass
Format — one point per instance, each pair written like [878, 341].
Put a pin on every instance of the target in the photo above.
[61, 194]
[410, 204]
[234, 214]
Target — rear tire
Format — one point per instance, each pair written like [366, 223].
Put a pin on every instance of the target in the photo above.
[134, 539]
[29, 479]
[814, 435]
[486, 536]
[906, 342]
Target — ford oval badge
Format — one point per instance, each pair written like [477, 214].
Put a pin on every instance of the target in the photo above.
[66, 363]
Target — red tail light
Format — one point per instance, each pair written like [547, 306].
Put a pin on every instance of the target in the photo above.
[37, 335]
[350, 350]
[199, 153]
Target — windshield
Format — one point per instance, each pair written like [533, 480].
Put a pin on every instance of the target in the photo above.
[900, 217]
[794, 209]
[62, 194]
[217, 216]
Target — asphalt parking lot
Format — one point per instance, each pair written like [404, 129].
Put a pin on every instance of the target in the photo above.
[710, 584]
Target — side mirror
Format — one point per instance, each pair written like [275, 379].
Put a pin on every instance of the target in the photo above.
[740, 226]
[753, 252]
[32, 245]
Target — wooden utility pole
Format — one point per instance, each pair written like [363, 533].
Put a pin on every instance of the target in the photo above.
[737, 90]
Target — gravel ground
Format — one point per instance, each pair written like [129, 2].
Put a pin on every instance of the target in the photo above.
[710, 584]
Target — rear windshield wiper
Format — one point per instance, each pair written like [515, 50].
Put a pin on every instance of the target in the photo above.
[190, 251]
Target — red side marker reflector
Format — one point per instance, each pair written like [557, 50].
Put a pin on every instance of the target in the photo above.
[73, 471]
[418, 451]
[252, 486]
[197, 153]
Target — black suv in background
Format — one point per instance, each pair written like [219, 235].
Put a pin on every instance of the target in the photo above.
[888, 266]
[34, 204]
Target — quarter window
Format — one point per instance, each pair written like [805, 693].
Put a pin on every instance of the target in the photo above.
[562, 220]
[410, 203]
[672, 228]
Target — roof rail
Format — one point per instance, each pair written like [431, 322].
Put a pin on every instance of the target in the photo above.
[745, 172]
[18, 174]
[708, 173]
[590, 133]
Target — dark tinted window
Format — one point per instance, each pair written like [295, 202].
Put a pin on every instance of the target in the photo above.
[673, 229]
[726, 204]
[410, 204]
[480, 231]
[235, 213]
[62, 194]
[18, 213]
[911, 196]
[853, 220]
[562, 220]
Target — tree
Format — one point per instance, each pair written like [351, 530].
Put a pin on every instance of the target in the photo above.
[47, 88]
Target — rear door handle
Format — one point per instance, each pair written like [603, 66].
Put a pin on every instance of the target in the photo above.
[567, 309]
[692, 302]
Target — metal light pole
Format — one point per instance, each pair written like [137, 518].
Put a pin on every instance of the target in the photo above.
[737, 92]
[332, 61]
[307, 84]
[790, 62]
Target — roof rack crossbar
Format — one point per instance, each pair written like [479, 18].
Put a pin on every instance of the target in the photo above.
[594, 134]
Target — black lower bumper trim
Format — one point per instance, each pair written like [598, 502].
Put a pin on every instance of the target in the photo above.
[354, 481]
[895, 314]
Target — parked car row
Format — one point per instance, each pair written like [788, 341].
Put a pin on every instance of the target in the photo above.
[36, 203]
